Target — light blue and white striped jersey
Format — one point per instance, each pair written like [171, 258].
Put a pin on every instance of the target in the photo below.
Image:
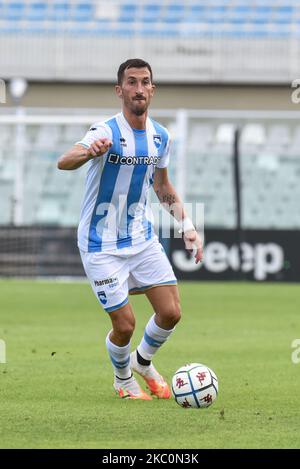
[116, 211]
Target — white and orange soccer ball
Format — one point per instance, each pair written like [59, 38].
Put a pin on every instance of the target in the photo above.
[195, 385]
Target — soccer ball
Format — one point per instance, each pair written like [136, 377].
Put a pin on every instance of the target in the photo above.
[194, 385]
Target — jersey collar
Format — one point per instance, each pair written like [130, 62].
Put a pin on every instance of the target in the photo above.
[126, 124]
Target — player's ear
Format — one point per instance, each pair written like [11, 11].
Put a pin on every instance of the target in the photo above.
[153, 89]
[119, 91]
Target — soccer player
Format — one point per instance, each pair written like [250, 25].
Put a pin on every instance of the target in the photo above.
[120, 252]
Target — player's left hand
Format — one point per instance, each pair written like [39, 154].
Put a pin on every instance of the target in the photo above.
[193, 242]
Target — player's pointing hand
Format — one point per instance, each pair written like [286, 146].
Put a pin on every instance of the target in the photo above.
[99, 147]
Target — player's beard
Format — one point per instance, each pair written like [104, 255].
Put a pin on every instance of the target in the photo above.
[140, 108]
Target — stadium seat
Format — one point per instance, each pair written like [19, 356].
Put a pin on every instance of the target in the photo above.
[13, 11]
[173, 13]
[262, 14]
[253, 134]
[151, 13]
[59, 11]
[238, 12]
[128, 12]
[225, 133]
[36, 11]
[215, 14]
[82, 12]
[195, 14]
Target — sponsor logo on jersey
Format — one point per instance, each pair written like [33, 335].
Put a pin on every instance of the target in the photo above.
[157, 140]
[123, 142]
[92, 128]
[129, 160]
[102, 297]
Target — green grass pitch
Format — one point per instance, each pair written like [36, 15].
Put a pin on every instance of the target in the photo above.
[56, 387]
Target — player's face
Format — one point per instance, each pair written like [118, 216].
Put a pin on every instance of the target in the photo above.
[136, 90]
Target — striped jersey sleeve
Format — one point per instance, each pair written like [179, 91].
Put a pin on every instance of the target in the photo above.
[165, 158]
[163, 137]
[95, 132]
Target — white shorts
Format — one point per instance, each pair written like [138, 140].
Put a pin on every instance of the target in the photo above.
[114, 275]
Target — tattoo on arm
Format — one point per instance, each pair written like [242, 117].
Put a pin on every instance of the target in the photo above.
[168, 199]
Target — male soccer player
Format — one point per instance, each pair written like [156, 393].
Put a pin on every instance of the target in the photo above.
[120, 252]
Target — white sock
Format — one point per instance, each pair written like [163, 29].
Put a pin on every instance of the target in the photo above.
[154, 338]
[120, 358]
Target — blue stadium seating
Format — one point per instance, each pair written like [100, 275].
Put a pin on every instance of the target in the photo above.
[14, 11]
[82, 12]
[236, 18]
[36, 11]
[59, 12]
[151, 13]
[128, 12]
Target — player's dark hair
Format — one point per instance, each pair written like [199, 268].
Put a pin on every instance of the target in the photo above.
[132, 63]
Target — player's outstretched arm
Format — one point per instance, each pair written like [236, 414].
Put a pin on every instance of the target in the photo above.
[170, 200]
[79, 155]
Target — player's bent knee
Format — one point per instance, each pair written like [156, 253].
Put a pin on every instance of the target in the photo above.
[123, 322]
[124, 327]
[171, 314]
[176, 316]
